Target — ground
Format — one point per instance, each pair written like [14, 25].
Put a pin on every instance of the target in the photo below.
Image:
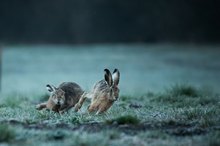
[182, 115]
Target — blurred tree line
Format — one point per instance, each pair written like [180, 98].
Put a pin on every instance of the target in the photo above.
[106, 21]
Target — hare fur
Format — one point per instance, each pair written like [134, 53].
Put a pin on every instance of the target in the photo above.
[103, 94]
[62, 98]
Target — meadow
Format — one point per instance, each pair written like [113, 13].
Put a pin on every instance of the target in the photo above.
[181, 115]
[168, 97]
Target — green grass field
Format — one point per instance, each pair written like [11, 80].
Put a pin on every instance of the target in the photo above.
[181, 115]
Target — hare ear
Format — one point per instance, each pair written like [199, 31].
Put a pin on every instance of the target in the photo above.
[108, 77]
[116, 77]
[50, 88]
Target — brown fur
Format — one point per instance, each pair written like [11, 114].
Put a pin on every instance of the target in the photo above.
[103, 94]
[100, 104]
[68, 93]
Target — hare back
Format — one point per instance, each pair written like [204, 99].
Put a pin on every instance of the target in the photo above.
[100, 89]
[72, 91]
[101, 86]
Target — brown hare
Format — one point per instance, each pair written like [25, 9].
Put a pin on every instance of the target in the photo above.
[62, 98]
[103, 94]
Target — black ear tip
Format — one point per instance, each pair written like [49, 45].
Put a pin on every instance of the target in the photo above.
[116, 70]
[49, 88]
[106, 70]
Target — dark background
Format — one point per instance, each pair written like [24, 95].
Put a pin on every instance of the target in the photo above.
[109, 21]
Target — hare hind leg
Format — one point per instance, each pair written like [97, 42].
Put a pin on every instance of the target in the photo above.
[94, 106]
[104, 106]
[101, 110]
[80, 102]
[41, 106]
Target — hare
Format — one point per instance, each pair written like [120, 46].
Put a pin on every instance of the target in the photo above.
[103, 94]
[62, 98]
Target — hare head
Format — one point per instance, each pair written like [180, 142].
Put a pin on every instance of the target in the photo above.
[112, 81]
[57, 94]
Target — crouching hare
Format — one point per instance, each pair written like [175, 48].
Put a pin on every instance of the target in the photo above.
[103, 94]
[62, 98]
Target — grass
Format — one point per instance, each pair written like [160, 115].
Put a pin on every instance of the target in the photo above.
[127, 119]
[7, 134]
[181, 115]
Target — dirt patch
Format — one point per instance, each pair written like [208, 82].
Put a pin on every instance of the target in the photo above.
[129, 129]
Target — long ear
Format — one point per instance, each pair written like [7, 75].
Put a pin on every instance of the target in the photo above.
[50, 88]
[116, 77]
[108, 77]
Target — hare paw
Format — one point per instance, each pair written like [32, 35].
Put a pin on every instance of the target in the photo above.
[38, 107]
[62, 112]
[77, 107]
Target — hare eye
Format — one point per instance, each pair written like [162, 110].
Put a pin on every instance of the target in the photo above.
[116, 89]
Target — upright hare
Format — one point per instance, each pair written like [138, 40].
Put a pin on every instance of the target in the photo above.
[62, 98]
[103, 94]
